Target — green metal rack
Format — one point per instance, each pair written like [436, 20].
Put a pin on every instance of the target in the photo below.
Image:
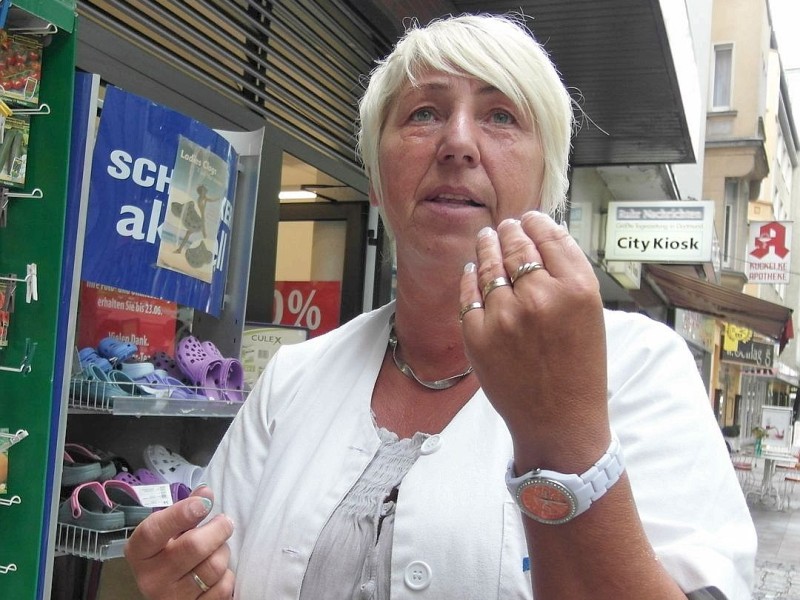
[32, 247]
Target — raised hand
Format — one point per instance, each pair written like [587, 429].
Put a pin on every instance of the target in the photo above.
[538, 345]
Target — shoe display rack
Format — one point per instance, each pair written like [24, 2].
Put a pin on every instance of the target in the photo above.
[90, 543]
[34, 232]
[126, 416]
[99, 397]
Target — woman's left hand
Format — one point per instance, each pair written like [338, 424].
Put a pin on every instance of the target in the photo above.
[538, 345]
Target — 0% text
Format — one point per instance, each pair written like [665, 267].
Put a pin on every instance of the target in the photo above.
[298, 307]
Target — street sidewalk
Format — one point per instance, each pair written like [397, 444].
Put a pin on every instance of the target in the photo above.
[778, 558]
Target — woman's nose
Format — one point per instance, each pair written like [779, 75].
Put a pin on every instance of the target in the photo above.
[459, 143]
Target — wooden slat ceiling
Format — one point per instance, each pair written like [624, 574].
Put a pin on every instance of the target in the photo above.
[298, 62]
[614, 56]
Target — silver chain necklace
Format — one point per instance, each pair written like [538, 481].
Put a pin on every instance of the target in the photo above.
[438, 384]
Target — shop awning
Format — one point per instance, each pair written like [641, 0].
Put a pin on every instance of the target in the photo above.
[690, 293]
[779, 372]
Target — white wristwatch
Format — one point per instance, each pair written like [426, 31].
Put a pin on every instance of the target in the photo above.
[554, 498]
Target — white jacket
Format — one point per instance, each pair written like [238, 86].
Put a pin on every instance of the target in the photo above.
[305, 435]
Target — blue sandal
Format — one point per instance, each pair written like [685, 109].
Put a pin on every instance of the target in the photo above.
[116, 350]
[89, 356]
[95, 385]
[122, 381]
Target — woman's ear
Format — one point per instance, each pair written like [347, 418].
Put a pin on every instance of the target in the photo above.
[373, 197]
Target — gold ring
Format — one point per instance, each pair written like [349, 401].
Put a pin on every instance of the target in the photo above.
[200, 583]
[524, 269]
[493, 285]
[468, 307]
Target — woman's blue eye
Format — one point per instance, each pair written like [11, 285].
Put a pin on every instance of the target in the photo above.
[502, 118]
[423, 114]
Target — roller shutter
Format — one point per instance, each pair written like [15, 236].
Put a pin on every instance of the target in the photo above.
[295, 63]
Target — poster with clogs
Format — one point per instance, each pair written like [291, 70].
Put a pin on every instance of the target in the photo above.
[161, 197]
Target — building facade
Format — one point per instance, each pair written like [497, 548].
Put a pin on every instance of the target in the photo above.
[750, 164]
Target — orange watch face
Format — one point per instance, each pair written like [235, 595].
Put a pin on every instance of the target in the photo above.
[546, 501]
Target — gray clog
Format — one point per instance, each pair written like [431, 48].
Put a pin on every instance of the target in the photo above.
[89, 507]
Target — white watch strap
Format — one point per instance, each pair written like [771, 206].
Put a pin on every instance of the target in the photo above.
[606, 471]
[587, 487]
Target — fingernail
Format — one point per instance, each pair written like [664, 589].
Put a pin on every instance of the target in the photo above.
[486, 232]
[200, 485]
[469, 267]
[202, 508]
[505, 222]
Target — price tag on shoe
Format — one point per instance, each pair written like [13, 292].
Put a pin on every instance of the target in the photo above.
[154, 496]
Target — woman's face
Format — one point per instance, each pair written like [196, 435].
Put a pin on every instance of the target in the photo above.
[455, 156]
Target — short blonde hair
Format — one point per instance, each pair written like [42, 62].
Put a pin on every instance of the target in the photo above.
[498, 50]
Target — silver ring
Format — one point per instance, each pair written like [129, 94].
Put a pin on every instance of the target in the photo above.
[493, 285]
[200, 583]
[468, 307]
[524, 269]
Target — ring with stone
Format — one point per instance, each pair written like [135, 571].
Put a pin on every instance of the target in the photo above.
[468, 307]
[493, 285]
[524, 269]
[200, 583]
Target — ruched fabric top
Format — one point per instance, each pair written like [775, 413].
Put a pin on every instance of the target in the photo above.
[353, 555]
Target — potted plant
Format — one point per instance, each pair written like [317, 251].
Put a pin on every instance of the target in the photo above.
[759, 433]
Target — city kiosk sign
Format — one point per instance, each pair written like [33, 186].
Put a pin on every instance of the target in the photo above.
[661, 232]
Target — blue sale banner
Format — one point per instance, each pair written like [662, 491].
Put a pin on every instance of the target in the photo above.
[160, 204]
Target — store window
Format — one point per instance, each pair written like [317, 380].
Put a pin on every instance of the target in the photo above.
[319, 268]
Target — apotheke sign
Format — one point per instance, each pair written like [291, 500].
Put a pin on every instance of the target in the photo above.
[769, 256]
[660, 231]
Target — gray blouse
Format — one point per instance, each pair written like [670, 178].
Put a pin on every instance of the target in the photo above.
[353, 555]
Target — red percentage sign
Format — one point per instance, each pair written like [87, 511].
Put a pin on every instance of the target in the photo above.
[303, 310]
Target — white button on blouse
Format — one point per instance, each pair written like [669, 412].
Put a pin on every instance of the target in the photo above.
[418, 575]
[431, 445]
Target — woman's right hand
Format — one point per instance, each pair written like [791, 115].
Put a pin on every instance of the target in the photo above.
[168, 552]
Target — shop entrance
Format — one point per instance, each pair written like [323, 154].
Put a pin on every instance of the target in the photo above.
[321, 249]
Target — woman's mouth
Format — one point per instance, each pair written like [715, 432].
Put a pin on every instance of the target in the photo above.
[455, 199]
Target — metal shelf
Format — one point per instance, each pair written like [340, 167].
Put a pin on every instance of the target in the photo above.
[98, 397]
[92, 544]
